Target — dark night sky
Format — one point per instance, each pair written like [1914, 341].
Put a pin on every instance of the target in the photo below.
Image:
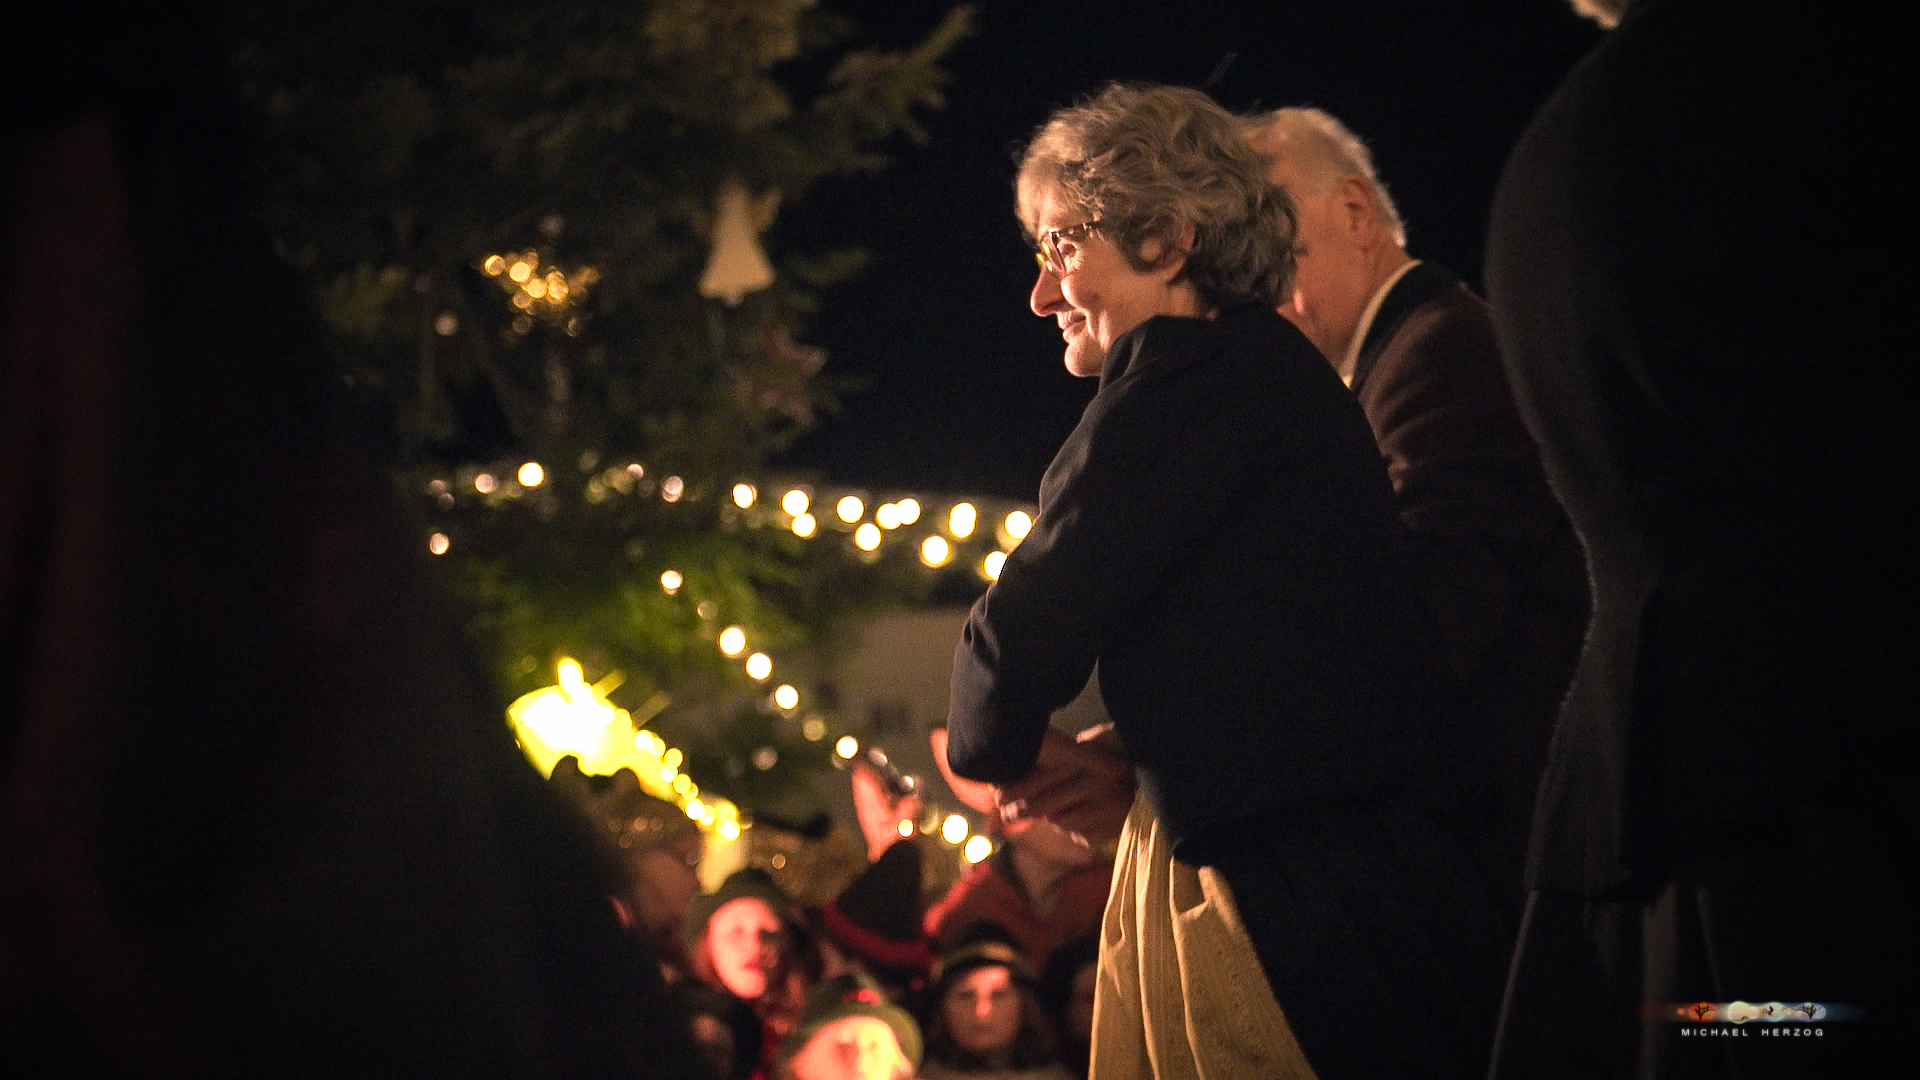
[965, 391]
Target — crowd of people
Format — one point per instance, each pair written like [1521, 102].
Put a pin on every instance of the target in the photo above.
[992, 978]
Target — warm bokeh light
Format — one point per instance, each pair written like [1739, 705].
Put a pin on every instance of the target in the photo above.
[909, 511]
[795, 502]
[733, 641]
[978, 848]
[935, 551]
[438, 543]
[846, 746]
[867, 536]
[531, 475]
[887, 516]
[786, 696]
[813, 729]
[961, 520]
[494, 266]
[672, 488]
[850, 508]
[993, 564]
[485, 483]
[905, 827]
[759, 666]
[670, 580]
[744, 495]
[954, 829]
[804, 525]
[1019, 524]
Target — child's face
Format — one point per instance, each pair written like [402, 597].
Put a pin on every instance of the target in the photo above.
[852, 1048]
[983, 1010]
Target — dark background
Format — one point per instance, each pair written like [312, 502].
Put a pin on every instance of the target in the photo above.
[963, 387]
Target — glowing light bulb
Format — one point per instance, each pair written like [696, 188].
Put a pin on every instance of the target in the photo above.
[850, 508]
[846, 746]
[759, 666]
[954, 829]
[744, 495]
[867, 536]
[961, 520]
[935, 551]
[1019, 524]
[786, 697]
[993, 564]
[733, 641]
[795, 502]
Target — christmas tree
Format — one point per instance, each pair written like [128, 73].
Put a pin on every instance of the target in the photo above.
[533, 228]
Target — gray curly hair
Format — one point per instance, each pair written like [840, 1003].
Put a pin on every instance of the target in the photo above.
[1150, 162]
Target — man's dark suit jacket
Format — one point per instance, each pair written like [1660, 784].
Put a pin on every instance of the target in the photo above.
[1500, 573]
[1704, 345]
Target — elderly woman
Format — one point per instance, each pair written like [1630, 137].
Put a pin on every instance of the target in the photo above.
[1218, 535]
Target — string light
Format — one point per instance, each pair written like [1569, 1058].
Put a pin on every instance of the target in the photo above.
[744, 495]
[867, 536]
[759, 666]
[993, 564]
[909, 510]
[935, 551]
[786, 697]
[733, 641]
[961, 519]
[954, 829]
[438, 543]
[1019, 524]
[804, 526]
[850, 508]
[846, 746]
[978, 848]
[670, 581]
[795, 502]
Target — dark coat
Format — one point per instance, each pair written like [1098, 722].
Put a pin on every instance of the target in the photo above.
[1219, 535]
[1501, 576]
[1695, 335]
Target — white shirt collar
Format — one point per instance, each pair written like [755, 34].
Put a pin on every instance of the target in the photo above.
[1352, 359]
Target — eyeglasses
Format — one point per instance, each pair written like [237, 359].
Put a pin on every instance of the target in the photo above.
[1058, 250]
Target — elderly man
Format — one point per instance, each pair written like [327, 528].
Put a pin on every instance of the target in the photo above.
[1497, 564]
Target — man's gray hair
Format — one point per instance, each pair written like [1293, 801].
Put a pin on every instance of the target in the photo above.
[1150, 162]
[1325, 152]
[1607, 13]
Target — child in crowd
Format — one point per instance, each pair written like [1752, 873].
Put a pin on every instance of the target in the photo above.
[850, 1031]
[983, 1018]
